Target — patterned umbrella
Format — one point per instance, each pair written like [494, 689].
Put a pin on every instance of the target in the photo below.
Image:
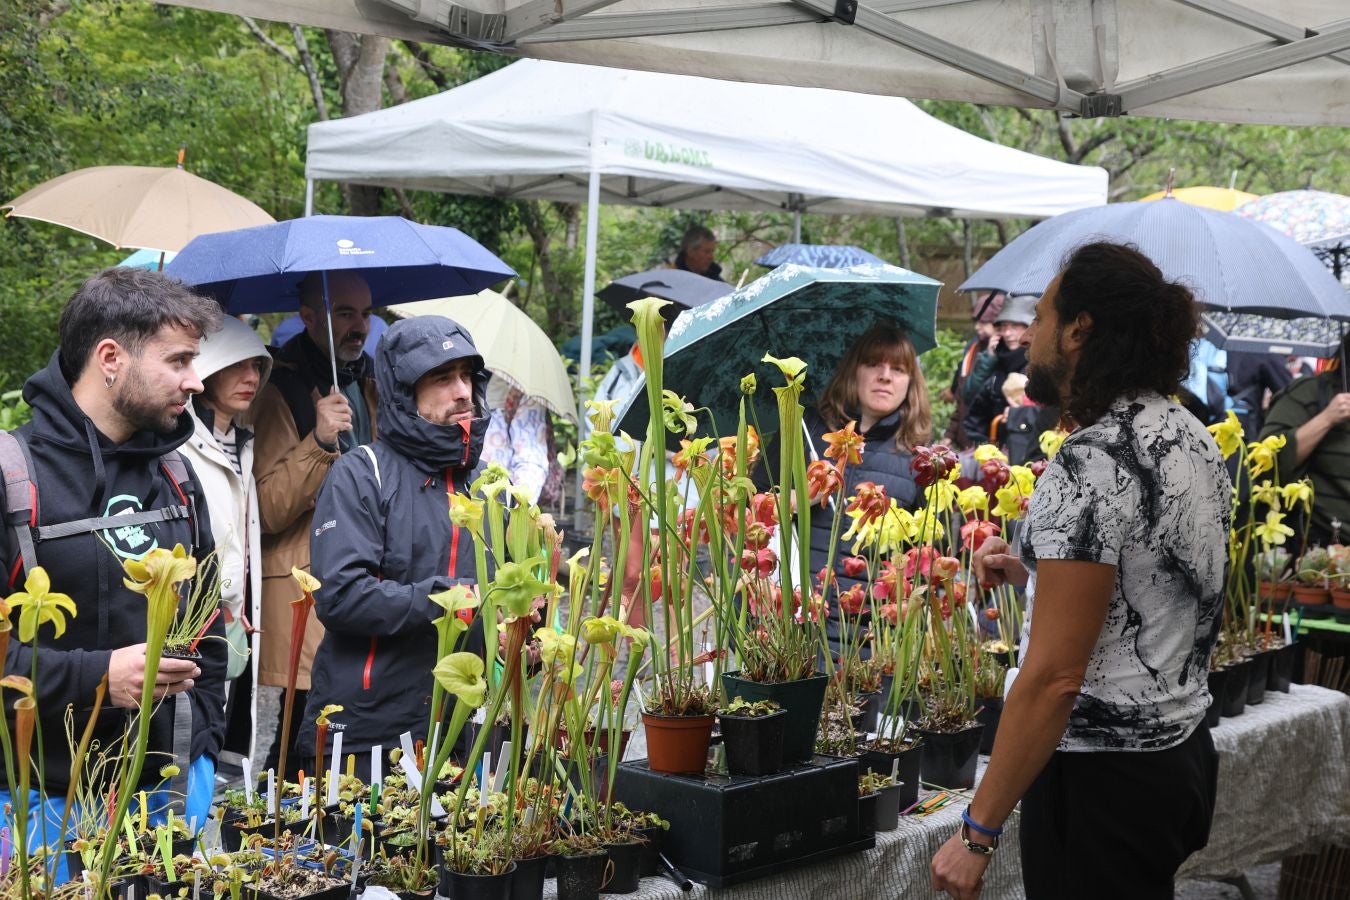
[1316, 219]
[1262, 334]
[822, 256]
[810, 313]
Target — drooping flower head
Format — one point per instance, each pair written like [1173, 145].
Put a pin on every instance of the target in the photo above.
[932, 464]
[461, 674]
[1228, 434]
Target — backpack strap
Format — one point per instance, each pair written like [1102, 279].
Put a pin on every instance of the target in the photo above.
[176, 469]
[20, 499]
[21, 504]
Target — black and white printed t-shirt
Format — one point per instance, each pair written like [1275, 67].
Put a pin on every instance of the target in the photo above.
[1144, 489]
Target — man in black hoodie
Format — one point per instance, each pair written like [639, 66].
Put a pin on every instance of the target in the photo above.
[383, 540]
[109, 412]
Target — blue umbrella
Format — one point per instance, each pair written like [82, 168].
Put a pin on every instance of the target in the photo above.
[822, 256]
[256, 270]
[688, 289]
[1231, 263]
[810, 313]
[147, 259]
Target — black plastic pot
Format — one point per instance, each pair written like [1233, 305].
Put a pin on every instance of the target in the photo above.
[989, 715]
[949, 758]
[581, 877]
[871, 702]
[1235, 691]
[528, 881]
[649, 860]
[1218, 684]
[626, 874]
[754, 743]
[1258, 673]
[1282, 666]
[867, 813]
[888, 808]
[802, 699]
[480, 887]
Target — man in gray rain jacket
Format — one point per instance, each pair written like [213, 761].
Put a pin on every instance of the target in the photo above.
[382, 539]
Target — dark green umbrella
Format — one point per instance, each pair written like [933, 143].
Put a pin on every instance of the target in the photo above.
[811, 313]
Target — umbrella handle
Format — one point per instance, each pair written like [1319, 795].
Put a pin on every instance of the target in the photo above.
[332, 348]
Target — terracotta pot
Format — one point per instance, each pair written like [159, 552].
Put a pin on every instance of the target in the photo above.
[678, 745]
[1340, 598]
[1311, 595]
[1275, 590]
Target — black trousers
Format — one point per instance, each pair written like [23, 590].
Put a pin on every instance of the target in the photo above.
[1117, 824]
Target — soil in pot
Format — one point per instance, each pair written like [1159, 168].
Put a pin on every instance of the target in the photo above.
[528, 881]
[888, 808]
[802, 699]
[299, 883]
[182, 653]
[1257, 675]
[949, 758]
[677, 745]
[1235, 691]
[482, 887]
[754, 743]
[626, 860]
[988, 715]
[581, 877]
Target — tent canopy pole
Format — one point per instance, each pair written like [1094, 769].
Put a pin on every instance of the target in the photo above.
[587, 311]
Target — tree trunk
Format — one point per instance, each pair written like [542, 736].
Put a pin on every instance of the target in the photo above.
[360, 64]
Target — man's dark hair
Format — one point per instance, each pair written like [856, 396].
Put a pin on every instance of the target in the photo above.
[1142, 327]
[695, 235]
[130, 306]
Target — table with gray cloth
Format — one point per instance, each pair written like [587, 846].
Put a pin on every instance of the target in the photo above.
[1284, 787]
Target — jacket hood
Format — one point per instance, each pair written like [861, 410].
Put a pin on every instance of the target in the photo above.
[59, 419]
[234, 342]
[407, 351]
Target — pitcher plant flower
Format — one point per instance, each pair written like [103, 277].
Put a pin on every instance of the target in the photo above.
[39, 605]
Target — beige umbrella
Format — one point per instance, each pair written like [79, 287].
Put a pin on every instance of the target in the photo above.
[513, 347]
[145, 207]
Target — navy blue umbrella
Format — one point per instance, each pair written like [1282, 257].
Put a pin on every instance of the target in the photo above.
[1231, 263]
[257, 270]
[821, 256]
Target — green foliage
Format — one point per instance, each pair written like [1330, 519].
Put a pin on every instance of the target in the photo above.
[13, 411]
[939, 365]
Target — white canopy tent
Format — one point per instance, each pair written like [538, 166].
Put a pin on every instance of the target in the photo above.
[1266, 61]
[545, 130]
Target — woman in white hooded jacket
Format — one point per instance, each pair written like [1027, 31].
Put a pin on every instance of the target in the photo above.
[233, 365]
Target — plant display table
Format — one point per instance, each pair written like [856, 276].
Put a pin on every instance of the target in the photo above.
[1284, 786]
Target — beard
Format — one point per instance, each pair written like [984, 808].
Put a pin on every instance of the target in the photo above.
[141, 409]
[448, 416]
[1043, 382]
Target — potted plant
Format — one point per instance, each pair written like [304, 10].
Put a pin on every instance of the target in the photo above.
[878, 803]
[195, 614]
[1313, 571]
[583, 866]
[1339, 575]
[478, 865]
[1273, 572]
[752, 732]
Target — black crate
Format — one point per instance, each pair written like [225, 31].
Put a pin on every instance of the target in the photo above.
[725, 830]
